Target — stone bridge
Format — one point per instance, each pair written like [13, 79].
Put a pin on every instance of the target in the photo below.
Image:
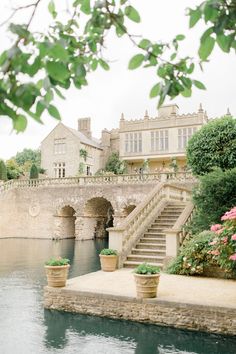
[80, 208]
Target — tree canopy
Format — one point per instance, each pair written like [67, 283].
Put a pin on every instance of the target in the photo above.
[39, 64]
[214, 145]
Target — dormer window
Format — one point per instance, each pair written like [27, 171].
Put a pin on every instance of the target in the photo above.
[59, 146]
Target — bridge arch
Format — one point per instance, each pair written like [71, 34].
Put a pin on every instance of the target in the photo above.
[97, 215]
[64, 222]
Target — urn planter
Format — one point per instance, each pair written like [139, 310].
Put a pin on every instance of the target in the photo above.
[108, 260]
[57, 271]
[147, 280]
[57, 275]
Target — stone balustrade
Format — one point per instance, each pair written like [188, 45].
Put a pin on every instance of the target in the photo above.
[98, 180]
[125, 236]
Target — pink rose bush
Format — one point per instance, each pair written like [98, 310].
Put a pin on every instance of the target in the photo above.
[223, 246]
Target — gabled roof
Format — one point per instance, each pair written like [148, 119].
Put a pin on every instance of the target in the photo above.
[83, 138]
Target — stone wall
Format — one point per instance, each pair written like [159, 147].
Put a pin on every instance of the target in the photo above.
[36, 212]
[185, 316]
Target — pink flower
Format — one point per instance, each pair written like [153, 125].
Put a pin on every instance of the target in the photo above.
[214, 242]
[233, 237]
[225, 240]
[215, 253]
[216, 227]
[218, 232]
[229, 215]
[233, 257]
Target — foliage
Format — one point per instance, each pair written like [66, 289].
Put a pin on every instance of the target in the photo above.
[223, 246]
[115, 165]
[108, 252]
[58, 261]
[3, 171]
[34, 173]
[145, 165]
[217, 246]
[14, 171]
[147, 269]
[81, 168]
[193, 255]
[214, 195]
[214, 145]
[28, 156]
[83, 153]
[38, 65]
[174, 164]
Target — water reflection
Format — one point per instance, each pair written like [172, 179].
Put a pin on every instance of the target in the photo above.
[63, 328]
[25, 328]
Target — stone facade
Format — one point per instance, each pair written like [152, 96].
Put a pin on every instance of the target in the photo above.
[185, 316]
[153, 144]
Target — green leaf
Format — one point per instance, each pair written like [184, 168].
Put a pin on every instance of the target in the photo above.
[53, 111]
[224, 42]
[57, 70]
[136, 61]
[180, 37]
[20, 123]
[195, 16]
[187, 92]
[132, 14]
[52, 9]
[199, 85]
[155, 90]
[144, 44]
[103, 64]
[58, 92]
[34, 68]
[20, 30]
[58, 52]
[85, 6]
[206, 48]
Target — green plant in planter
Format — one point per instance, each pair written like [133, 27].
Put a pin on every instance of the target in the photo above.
[108, 252]
[146, 269]
[58, 261]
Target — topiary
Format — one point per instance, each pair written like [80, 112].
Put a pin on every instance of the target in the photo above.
[34, 172]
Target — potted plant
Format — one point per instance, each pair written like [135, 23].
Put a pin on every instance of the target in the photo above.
[108, 259]
[147, 280]
[57, 271]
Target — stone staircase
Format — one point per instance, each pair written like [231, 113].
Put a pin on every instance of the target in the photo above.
[151, 247]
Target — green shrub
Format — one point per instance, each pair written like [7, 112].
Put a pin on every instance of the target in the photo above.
[146, 268]
[214, 195]
[108, 252]
[214, 145]
[34, 173]
[59, 261]
[193, 255]
[115, 165]
[3, 171]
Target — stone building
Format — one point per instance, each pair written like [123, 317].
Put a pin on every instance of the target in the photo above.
[155, 143]
[62, 151]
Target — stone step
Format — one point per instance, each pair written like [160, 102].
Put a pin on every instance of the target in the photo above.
[155, 229]
[166, 218]
[160, 224]
[134, 264]
[145, 259]
[147, 251]
[150, 245]
[161, 240]
[152, 240]
[155, 234]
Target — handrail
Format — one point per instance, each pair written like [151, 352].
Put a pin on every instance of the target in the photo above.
[124, 236]
[98, 180]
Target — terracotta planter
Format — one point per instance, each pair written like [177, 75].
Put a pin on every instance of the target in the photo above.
[108, 263]
[57, 275]
[146, 285]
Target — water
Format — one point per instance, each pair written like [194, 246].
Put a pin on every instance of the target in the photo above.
[26, 328]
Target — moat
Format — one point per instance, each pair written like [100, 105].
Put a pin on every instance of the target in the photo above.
[27, 328]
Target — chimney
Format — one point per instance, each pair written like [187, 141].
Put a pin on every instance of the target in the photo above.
[84, 126]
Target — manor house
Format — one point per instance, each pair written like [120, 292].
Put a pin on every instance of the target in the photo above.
[67, 152]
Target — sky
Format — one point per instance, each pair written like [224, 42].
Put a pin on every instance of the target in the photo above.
[110, 93]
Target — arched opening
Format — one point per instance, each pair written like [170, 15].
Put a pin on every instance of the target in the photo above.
[65, 223]
[98, 215]
[128, 209]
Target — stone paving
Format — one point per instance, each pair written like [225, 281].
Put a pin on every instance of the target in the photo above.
[172, 288]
